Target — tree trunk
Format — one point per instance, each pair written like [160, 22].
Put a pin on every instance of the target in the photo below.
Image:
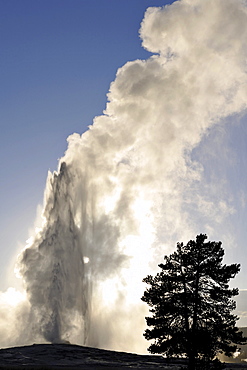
[190, 347]
[195, 313]
[192, 362]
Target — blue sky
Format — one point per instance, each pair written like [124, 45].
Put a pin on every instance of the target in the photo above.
[57, 60]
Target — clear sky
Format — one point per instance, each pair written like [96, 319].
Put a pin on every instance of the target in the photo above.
[58, 59]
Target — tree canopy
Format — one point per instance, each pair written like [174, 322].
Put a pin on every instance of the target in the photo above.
[191, 304]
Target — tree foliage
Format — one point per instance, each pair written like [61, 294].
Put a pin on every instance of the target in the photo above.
[191, 305]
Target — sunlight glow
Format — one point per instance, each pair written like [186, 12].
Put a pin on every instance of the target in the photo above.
[12, 297]
[110, 202]
[109, 291]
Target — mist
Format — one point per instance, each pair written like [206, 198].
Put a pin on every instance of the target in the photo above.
[134, 183]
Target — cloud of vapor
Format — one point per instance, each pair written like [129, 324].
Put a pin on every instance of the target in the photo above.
[129, 188]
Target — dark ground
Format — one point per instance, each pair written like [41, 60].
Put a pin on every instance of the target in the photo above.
[67, 356]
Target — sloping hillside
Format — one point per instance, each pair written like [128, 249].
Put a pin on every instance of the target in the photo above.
[66, 356]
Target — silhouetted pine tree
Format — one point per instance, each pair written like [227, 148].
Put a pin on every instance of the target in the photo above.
[191, 304]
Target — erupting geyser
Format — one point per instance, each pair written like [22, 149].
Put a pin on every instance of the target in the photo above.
[57, 259]
[125, 189]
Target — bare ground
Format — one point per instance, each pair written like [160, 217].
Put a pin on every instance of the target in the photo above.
[67, 356]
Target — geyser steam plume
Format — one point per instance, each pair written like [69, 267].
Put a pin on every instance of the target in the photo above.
[125, 190]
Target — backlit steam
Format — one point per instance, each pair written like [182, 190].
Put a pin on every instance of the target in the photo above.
[128, 189]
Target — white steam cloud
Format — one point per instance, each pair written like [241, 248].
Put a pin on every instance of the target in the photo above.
[128, 188]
